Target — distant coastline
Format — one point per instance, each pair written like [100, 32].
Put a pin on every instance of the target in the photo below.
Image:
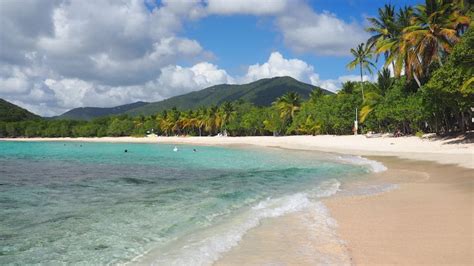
[451, 151]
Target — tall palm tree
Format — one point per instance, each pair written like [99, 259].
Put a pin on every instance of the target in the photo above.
[383, 27]
[433, 33]
[288, 104]
[362, 55]
[392, 45]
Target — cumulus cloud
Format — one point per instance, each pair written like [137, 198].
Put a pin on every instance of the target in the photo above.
[66, 54]
[305, 30]
[176, 80]
[61, 54]
[261, 7]
[278, 66]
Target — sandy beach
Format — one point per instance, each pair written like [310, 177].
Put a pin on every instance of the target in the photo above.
[427, 220]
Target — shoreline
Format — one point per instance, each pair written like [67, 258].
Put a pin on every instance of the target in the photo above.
[426, 220]
[413, 148]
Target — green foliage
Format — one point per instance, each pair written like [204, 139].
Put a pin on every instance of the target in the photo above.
[261, 93]
[441, 57]
[11, 113]
[88, 113]
[448, 90]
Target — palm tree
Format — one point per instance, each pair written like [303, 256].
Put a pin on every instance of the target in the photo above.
[362, 55]
[433, 33]
[227, 113]
[201, 119]
[384, 80]
[211, 119]
[288, 105]
[315, 95]
[375, 93]
[383, 27]
[392, 45]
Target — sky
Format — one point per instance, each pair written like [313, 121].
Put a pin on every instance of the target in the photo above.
[56, 55]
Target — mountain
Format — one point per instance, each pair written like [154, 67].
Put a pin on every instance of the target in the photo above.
[87, 113]
[10, 112]
[261, 93]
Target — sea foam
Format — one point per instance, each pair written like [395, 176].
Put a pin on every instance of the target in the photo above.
[374, 166]
[207, 247]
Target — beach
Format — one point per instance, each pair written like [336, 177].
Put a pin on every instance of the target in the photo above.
[426, 218]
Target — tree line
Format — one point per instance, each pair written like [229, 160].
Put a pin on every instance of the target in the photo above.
[425, 85]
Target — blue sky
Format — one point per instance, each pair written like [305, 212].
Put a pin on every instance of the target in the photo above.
[241, 40]
[61, 54]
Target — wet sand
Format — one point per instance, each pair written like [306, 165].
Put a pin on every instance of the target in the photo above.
[427, 220]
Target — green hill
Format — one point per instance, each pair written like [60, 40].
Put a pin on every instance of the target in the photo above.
[87, 113]
[10, 112]
[262, 93]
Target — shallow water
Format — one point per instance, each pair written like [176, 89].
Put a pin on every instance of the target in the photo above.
[66, 202]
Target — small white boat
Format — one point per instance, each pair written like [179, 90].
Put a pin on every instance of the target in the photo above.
[175, 149]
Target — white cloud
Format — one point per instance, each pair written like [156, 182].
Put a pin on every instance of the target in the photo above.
[176, 80]
[277, 66]
[261, 7]
[61, 54]
[70, 53]
[61, 94]
[305, 30]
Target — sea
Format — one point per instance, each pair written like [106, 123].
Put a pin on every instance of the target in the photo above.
[122, 203]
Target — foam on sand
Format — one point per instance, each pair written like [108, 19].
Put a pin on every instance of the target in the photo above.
[206, 247]
[374, 166]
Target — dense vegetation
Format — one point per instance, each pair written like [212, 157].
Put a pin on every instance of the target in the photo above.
[12, 113]
[261, 93]
[429, 48]
[88, 113]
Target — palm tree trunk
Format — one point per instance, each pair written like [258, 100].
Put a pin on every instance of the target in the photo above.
[362, 81]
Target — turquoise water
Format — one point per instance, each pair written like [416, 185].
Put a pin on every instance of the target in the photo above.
[67, 202]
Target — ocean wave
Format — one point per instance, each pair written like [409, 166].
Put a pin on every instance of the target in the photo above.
[207, 246]
[374, 166]
[327, 188]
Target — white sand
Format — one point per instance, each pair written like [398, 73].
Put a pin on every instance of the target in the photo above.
[415, 148]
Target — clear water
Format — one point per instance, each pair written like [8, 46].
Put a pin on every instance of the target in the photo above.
[94, 203]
